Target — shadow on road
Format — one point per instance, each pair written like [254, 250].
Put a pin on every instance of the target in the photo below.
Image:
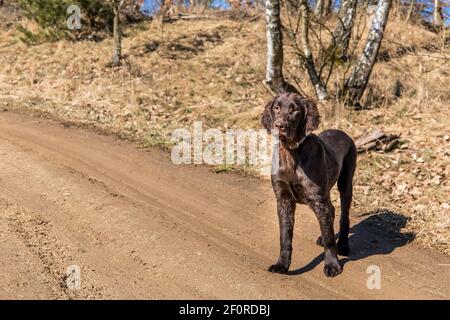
[379, 233]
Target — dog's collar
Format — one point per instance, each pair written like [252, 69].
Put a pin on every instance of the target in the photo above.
[295, 145]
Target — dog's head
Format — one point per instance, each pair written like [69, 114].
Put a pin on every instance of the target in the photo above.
[294, 116]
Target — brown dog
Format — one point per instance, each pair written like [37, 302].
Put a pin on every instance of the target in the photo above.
[309, 167]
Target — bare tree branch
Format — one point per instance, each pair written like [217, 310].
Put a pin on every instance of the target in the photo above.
[319, 88]
[343, 32]
[357, 82]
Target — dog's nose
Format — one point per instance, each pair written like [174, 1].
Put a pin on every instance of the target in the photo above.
[279, 126]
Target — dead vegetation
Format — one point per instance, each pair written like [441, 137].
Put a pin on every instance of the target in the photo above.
[212, 70]
[376, 140]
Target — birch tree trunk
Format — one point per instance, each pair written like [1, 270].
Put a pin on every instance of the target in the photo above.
[318, 10]
[319, 88]
[343, 32]
[357, 82]
[117, 55]
[274, 65]
[437, 13]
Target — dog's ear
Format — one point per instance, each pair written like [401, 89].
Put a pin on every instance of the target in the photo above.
[312, 116]
[267, 119]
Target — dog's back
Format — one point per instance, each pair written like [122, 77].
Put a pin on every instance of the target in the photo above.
[339, 144]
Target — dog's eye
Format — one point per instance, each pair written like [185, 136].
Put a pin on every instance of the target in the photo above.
[276, 109]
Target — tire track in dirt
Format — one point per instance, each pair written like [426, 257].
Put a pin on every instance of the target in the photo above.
[36, 233]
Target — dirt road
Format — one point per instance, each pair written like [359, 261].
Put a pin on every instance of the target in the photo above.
[140, 227]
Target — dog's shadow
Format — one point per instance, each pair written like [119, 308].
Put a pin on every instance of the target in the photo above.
[379, 233]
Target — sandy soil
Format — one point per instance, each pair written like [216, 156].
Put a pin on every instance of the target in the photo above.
[140, 227]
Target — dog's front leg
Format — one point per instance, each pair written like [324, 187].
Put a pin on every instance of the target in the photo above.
[324, 211]
[286, 217]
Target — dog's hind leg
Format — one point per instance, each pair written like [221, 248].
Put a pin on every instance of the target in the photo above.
[345, 186]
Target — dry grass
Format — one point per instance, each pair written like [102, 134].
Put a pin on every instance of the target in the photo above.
[212, 71]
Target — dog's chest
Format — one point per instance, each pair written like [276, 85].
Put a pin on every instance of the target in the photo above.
[298, 191]
[296, 183]
[291, 173]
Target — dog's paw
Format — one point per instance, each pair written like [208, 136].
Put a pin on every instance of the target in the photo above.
[332, 269]
[343, 248]
[278, 268]
[319, 241]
